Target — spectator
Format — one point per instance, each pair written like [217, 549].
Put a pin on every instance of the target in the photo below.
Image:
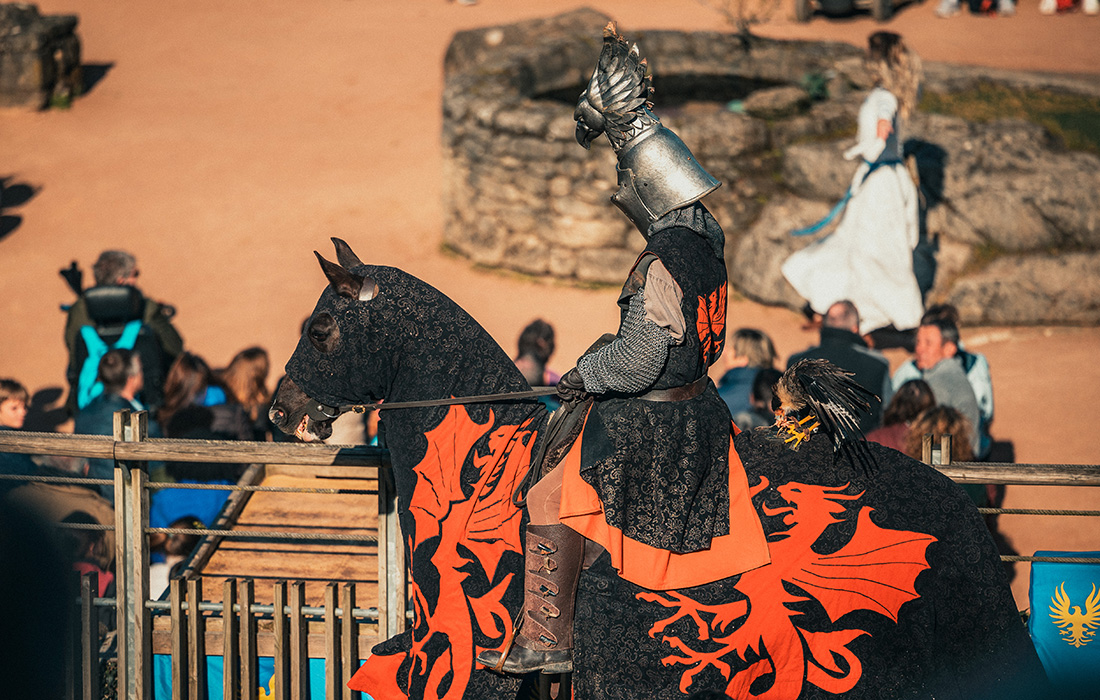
[13, 411]
[106, 310]
[842, 345]
[749, 351]
[192, 386]
[536, 346]
[87, 549]
[976, 367]
[939, 421]
[936, 358]
[246, 381]
[763, 389]
[909, 401]
[169, 553]
[35, 606]
[120, 371]
[58, 501]
[868, 259]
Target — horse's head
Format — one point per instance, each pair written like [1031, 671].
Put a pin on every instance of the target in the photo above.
[322, 375]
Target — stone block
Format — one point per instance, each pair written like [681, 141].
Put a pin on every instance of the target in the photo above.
[39, 57]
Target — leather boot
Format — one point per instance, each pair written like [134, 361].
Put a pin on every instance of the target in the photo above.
[544, 639]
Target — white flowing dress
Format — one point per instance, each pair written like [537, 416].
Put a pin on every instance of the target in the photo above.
[868, 259]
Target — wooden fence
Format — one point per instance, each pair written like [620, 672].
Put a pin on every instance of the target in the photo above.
[240, 629]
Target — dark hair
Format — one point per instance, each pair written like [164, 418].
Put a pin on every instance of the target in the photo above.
[941, 311]
[763, 385]
[11, 389]
[115, 367]
[911, 398]
[884, 46]
[187, 379]
[537, 340]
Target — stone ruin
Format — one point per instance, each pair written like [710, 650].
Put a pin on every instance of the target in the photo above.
[39, 57]
[1012, 222]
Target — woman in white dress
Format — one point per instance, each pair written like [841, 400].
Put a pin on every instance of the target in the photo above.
[868, 259]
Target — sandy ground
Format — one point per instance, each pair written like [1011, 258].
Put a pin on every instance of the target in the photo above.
[224, 141]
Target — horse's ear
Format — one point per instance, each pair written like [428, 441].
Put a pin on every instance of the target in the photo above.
[344, 254]
[347, 284]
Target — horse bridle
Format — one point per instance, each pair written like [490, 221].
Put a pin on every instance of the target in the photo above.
[318, 411]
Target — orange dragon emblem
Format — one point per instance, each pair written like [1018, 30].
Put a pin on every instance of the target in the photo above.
[759, 637]
[470, 527]
[710, 322]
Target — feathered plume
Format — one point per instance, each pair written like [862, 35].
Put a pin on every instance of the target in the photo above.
[616, 101]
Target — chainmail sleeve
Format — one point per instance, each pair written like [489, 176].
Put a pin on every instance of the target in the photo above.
[634, 360]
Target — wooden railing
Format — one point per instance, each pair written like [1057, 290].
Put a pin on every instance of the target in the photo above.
[288, 633]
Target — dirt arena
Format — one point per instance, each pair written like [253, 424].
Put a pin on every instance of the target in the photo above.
[224, 141]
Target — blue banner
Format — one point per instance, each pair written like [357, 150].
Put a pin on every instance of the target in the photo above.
[1065, 617]
[162, 679]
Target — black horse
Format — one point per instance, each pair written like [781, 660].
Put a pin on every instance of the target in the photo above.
[882, 585]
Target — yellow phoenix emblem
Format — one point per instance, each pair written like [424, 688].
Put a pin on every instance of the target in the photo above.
[1077, 628]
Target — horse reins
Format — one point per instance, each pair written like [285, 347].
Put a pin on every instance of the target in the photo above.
[319, 411]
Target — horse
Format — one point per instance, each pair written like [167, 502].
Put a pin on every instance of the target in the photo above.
[882, 584]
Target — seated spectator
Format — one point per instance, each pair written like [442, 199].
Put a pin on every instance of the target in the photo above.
[13, 411]
[842, 345]
[245, 379]
[763, 389]
[748, 352]
[937, 422]
[169, 552]
[536, 347]
[976, 367]
[58, 501]
[936, 356]
[107, 310]
[191, 385]
[87, 549]
[909, 401]
[120, 371]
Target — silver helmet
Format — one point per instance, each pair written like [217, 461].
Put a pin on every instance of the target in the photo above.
[657, 172]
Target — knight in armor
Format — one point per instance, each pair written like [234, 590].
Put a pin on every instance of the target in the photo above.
[652, 478]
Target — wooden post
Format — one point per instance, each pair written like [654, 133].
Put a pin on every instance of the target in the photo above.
[231, 672]
[250, 677]
[281, 678]
[350, 639]
[332, 643]
[383, 550]
[926, 448]
[135, 633]
[179, 640]
[89, 637]
[196, 633]
[945, 449]
[299, 643]
[392, 595]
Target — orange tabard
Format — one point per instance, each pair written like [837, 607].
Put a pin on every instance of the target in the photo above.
[744, 548]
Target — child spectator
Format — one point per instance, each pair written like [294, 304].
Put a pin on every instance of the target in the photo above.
[13, 411]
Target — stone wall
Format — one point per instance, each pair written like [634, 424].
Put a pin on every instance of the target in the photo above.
[1010, 240]
[39, 57]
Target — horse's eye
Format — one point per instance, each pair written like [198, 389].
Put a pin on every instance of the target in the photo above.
[323, 332]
